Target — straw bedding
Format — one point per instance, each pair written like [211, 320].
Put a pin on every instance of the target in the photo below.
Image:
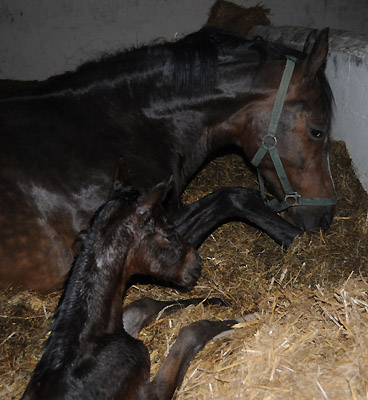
[309, 340]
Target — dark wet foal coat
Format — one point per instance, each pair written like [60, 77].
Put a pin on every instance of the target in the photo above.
[91, 353]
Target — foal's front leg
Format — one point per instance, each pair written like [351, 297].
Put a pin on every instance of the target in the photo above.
[197, 220]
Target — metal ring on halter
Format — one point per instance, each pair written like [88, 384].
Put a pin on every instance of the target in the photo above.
[266, 145]
[295, 196]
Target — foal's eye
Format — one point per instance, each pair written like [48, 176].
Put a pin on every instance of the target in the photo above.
[316, 133]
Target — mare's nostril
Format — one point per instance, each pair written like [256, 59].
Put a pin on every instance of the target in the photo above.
[199, 260]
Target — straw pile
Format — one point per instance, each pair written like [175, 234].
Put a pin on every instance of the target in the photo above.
[310, 338]
[229, 16]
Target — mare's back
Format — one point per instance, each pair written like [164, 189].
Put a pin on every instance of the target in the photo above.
[81, 122]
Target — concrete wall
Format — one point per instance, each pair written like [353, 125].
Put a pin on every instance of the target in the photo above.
[347, 72]
[40, 38]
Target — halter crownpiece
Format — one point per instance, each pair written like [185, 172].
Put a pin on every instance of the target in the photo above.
[268, 145]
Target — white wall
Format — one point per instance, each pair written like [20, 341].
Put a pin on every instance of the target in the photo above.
[347, 73]
[39, 38]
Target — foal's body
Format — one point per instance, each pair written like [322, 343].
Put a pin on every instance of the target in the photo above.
[90, 353]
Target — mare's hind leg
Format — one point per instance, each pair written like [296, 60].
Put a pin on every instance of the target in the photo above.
[190, 341]
[140, 313]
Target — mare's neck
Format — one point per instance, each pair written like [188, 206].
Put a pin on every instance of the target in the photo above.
[229, 116]
[216, 135]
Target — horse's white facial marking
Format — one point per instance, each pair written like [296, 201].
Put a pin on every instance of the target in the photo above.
[329, 169]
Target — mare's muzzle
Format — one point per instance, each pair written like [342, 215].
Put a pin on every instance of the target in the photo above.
[310, 218]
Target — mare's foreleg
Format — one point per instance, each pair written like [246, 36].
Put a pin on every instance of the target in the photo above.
[142, 312]
[197, 220]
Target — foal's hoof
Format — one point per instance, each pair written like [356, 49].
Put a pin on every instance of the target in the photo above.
[191, 270]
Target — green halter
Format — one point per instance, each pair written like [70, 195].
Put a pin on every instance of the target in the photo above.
[268, 145]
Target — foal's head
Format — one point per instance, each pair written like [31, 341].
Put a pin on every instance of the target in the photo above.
[138, 223]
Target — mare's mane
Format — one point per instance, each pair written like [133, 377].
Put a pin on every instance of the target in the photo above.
[193, 60]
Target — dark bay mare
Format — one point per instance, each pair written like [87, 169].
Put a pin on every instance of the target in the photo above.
[165, 108]
[92, 351]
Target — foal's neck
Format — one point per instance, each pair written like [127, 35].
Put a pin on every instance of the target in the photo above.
[91, 305]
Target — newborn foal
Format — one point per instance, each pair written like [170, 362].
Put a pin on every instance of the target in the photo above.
[89, 354]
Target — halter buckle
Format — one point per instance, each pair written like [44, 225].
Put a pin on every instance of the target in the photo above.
[269, 141]
[294, 197]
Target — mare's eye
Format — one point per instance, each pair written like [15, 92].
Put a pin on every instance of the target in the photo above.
[316, 133]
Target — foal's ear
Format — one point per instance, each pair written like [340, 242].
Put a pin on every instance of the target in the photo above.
[315, 50]
[121, 176]
[155, 196]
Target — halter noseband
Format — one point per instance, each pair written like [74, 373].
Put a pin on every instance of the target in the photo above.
[268, 145]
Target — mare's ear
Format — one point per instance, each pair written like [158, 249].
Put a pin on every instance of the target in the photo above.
[154, 196]
[315, 50]
[121, 177]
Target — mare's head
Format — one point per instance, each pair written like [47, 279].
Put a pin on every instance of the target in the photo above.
[153, 247]
[300, 136]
